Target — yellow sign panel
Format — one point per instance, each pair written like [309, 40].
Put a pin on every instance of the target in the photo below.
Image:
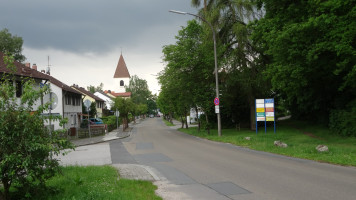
[260, 109]
[270, 119]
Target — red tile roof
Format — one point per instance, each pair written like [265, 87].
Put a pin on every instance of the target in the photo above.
[121, 94]
[21, 70]
[118, 94]
[121, 69]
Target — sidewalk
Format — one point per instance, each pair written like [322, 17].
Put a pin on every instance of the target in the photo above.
[113, 135]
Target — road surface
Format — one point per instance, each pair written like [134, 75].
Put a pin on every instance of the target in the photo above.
[204, 169]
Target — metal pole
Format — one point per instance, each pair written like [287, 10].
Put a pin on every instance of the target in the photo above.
[215, 58]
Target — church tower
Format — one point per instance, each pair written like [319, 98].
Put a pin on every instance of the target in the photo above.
[121, 76]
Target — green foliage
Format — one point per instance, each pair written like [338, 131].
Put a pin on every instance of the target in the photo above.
[94, 182]
[92, 111]
[125, 107]
[139, 90]
[94, 89]
[111, 122]
[11, 44]
[26, 146]
[187, 80]
[343, 121]
[310, 46]
[342, 150]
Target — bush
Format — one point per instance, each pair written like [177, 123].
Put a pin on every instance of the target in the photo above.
[26, 146]
[343, 121]
[111, 122]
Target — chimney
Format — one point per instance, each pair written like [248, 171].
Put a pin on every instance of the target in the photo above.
[34, 66]
[109, 91]
[43, 71]
[28, 65]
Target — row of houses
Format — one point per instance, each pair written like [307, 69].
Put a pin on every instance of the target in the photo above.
[68, 100]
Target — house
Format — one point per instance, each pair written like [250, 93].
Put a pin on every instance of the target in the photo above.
[108, 100]
[69, 104]
[91, 97]
[21, 72]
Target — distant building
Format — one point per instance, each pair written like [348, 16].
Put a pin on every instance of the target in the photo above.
[108, 100]
[121, 79]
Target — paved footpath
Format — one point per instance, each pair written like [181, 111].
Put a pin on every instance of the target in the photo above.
[95, 151]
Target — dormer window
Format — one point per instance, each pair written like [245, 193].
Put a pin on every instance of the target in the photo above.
[121, 83]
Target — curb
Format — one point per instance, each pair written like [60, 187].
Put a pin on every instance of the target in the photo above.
[102, 141]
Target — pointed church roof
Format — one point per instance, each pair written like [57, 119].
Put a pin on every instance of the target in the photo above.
[121, 69]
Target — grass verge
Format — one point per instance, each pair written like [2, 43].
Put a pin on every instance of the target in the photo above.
[94, 182]
[168, 123]
[301, 138]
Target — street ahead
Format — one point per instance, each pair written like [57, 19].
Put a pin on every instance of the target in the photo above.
[223, 171]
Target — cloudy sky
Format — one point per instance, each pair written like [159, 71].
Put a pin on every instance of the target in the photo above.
[84, 38]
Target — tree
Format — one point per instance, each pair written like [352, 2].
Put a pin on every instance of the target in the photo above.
[26, 146]
[310, 47]
[92, 111]
[139, 90]
[94, 89]
[188, 80]
[125, 106]
[11, 45]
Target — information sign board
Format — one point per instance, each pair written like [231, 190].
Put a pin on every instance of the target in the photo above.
[265, 112]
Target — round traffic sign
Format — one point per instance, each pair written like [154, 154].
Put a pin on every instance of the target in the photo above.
[216, 101]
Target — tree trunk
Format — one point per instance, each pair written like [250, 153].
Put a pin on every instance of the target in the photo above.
[207, 123]
[6, 189]
[252, 113]
[182, 120]
[197, 117]
[186, 123]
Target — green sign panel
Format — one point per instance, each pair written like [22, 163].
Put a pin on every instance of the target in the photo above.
[260, 114]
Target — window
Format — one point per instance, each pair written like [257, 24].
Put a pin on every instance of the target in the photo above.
[121, 83]
[18, 88]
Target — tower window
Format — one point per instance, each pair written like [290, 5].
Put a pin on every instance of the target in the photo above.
[121, 83]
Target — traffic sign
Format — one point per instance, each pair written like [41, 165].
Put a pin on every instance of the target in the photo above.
[216, 101]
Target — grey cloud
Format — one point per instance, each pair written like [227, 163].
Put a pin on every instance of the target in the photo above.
[89, 26]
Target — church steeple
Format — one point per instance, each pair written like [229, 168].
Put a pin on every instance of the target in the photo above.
[121, 69]
[121, 76]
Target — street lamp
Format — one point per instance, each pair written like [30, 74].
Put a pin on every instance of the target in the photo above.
[216, 63]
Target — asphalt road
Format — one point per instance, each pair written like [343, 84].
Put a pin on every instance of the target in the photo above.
[211, 170]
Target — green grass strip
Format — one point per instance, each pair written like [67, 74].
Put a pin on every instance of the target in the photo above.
[301, 138]
[94, 182]
[168, 123]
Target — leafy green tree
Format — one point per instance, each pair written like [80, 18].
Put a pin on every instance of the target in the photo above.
[125, 107]
[12, 45]
[188, 80]
[94, 89]
[139, 90]
[26, 146]
[92, 111]
[310, 46]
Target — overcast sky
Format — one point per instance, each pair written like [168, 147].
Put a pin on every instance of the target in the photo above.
[84, 38]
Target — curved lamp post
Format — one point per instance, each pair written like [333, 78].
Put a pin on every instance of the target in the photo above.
[216, 62]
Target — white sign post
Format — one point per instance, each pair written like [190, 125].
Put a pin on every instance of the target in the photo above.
[117, 114]
[87, 104]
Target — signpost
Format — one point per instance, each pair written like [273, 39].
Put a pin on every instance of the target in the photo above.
[265, 112]
[117, 114]
[217, 102]
[87, 104]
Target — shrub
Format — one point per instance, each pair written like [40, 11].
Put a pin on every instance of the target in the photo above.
[343, 121]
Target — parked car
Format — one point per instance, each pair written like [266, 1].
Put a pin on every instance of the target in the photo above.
[151, 116]
[93, 121]
[96, 120]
